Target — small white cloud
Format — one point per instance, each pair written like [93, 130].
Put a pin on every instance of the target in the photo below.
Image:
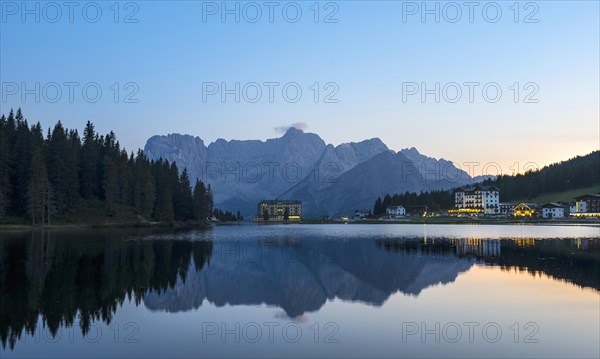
[298, 125]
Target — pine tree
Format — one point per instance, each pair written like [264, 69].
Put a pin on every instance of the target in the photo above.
[144, 187]
[89, 163]
[5, 165]
[378, 206]
[21, 164]
[72, 175]
[185, 201]
[35, 193]
[163, 209]
[110, 172]
[172, 178]
[57, 154]
[200, 201]
[40, 201]
[126, 169]
[209, 199]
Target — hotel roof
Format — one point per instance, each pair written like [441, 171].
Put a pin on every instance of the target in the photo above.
[552, 205]
[477, 187]
[588, 196]
[280, 201]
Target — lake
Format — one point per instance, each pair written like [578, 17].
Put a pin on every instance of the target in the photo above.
[290, 291]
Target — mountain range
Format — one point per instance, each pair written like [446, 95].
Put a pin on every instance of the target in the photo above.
[329, 180]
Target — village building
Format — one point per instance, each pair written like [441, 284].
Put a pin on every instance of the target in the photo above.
[553, 210]
[395, 211]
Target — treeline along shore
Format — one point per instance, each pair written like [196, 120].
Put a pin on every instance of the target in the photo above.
[64, 178]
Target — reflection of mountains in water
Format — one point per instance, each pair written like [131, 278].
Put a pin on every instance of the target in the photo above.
[302, 276]
[75, 279]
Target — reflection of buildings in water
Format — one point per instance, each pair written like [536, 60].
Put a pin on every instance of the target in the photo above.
[583, 244]
[477, 247]
[492, 247]
[524, 242]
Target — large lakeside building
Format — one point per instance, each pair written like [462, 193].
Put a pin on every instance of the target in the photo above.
[278, 211]
[477, 199]
[585, 206]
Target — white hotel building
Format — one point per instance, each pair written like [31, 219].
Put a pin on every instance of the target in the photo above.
[477, 199]
[395, 211]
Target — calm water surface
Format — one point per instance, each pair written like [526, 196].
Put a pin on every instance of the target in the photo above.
[302, 291]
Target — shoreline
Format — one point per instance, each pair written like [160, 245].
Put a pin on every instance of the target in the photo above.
[180, 225]
[457, 221]
[141, 225]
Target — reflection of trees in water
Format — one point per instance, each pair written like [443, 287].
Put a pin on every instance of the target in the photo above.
[575, 261]
[67, 280]
[417, 246]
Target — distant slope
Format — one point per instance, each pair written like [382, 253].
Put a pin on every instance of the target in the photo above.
[334, 162]
[576, 173]
[564, 196]
[387, 172]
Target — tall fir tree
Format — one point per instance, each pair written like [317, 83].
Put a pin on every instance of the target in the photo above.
[200, 201]
[21, 165]
[110, 172]
[163, 209]
[89, 163]
[5, 165]
[72, 176]
[144, 188]
[40, 199]
[209, 198]
[185, 202]
[57, 152]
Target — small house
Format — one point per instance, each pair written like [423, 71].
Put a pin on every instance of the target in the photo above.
[553, 210]
[362, 214]
[419, 210]
[526, 210]
[395, 211]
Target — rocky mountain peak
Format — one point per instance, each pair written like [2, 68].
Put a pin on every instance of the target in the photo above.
[300, 165]
[293, 131]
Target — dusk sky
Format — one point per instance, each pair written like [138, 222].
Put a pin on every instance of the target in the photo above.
[365, 56]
